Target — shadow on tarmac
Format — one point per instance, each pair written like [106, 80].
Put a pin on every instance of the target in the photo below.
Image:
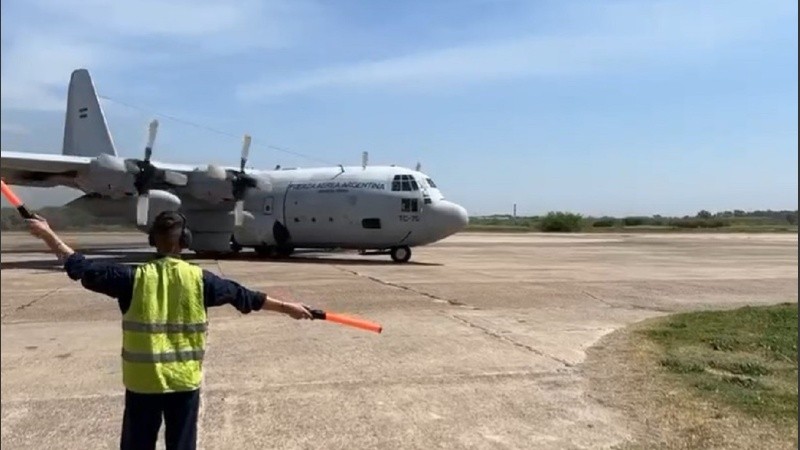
[140, 257]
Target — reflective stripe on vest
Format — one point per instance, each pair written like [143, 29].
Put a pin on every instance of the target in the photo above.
[164, 329]
[129, 325]
[184, 355]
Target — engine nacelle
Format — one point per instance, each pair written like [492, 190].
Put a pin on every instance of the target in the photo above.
[209, 189]
[108, 177]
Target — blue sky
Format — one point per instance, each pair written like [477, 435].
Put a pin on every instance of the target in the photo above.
[612, 107]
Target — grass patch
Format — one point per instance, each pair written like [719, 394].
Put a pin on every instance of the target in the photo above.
[745, 357]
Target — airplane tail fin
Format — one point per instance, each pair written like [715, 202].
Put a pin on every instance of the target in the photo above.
[85, 130]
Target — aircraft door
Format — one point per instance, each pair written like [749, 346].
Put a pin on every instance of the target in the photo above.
[270, 221]
[266, 210]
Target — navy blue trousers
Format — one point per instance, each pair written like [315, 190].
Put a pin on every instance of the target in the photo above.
[142, 420]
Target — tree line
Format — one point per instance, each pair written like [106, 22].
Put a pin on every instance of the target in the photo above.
[566, 221]
[63, 218]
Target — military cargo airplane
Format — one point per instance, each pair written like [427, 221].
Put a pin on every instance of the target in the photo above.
[373, 209]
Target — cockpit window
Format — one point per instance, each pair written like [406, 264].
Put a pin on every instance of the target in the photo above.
[430, 182]
[404, 183]
[410, 205]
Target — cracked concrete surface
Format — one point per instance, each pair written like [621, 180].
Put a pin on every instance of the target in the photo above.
[484, 336]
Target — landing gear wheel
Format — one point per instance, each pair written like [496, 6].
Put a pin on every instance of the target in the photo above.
[209, 254]
[285, 252]
[265, 251]
[401, 254]
[235, 247]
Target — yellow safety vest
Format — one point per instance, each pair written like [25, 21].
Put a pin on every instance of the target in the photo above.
[164, 329]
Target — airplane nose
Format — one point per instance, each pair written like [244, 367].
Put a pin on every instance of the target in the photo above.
[462, 217]
[454, 216]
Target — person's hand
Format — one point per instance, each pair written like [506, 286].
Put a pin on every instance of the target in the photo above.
[295, 310]
[39, 227]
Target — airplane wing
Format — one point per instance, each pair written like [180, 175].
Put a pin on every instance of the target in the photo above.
[79, 172]
[42, 169]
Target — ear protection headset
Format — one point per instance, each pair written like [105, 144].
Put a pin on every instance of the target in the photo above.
[185, 238]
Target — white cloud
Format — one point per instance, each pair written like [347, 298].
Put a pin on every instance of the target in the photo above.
[150, 17]
[44, 40]
[36, 71]
[617, 36]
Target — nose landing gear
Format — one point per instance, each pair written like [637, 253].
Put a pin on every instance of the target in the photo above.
[400, 254]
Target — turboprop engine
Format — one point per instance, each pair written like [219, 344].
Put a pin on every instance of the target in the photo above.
[216, 184]
[210, 185]
[108, 177]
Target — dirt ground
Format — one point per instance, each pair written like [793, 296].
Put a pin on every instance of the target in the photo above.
[484, 343]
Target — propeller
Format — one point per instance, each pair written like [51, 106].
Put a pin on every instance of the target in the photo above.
[241, 182]
[146, 175]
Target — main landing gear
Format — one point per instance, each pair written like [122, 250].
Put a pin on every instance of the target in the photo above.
[400, 254]
[272, 251]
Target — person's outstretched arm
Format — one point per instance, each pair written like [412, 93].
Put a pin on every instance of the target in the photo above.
[218, 291]
[41, 229]
[114, 280]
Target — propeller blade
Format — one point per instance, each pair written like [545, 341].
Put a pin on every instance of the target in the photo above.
[245, 150]
[238, 213]
[151, 138]
[142, 205]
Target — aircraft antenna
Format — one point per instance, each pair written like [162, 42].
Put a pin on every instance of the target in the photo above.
[364, 159]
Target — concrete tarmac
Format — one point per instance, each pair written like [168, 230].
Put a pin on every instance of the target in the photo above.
[484, 336]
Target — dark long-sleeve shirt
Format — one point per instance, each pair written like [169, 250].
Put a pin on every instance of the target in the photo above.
[116, 281]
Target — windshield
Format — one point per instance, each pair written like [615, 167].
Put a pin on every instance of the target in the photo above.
[404, 183]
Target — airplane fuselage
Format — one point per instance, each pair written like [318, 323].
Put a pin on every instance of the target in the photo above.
[351, 207]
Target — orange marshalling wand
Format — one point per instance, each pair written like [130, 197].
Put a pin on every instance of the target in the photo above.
[15, 201]
[346, 320]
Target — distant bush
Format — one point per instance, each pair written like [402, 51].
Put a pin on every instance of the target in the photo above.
[698, 223]
[561, 222]
[703, 214]
[634, 221]
[604, 223]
